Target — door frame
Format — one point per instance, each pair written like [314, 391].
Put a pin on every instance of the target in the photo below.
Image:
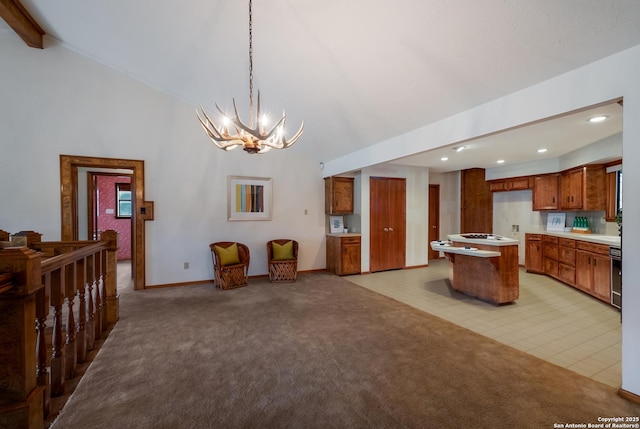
[69, 165]
[434, 199]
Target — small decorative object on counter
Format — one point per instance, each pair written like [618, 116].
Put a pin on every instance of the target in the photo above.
[581, 225]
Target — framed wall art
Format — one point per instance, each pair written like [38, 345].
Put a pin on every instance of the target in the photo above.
[249, 198]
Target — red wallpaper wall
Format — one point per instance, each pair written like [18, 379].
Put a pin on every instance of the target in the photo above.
[107, 213]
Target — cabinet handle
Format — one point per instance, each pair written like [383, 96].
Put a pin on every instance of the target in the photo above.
[553, 200]
[391, 229]
[386, 230]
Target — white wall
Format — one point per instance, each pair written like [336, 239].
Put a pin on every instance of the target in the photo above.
[55, 101]
[603, 80]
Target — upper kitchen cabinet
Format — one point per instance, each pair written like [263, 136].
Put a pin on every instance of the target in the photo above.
[583, 188]
[510, 184]
[338, 195]
[546, 192]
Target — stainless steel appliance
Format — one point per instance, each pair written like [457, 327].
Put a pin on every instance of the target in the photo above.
[616, 276]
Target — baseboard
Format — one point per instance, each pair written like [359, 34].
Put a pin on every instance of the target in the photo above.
[629, 396]
[199, 282]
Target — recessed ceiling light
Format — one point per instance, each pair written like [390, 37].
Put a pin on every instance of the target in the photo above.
[444, 158]
[459, 148]
[596, 119]
[542, 150]
[501, 161]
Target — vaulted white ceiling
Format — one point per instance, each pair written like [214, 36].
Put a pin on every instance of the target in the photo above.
[357, 72]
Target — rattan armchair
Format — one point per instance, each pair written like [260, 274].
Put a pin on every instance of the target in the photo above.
[230, 273]
[282, 268]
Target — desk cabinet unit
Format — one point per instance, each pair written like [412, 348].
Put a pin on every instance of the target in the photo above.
[343, 254]
[338, 195]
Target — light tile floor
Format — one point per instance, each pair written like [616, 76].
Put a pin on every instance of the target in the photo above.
[550, 320]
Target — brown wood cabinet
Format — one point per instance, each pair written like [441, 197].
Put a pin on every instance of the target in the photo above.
[550, 251]
[584, 188]
[533, 253]
[387, 223]
[545, 192]
[581, 264]
[510, 184]
[567, 260]
[593, 269]
[338, 195]
[477, 202]
[343, 254]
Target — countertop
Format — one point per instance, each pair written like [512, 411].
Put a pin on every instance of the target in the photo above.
[443, 246]
[497, 240]
[610, 240]
[343, 234]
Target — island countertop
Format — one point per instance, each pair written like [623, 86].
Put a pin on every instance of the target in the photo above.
[490, 240]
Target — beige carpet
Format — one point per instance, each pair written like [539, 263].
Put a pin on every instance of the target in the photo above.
[320, 353]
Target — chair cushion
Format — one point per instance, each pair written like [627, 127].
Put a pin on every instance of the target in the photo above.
[228, 256]
[282, 252]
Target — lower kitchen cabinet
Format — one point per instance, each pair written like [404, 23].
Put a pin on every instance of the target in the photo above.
[533, 253]
[593, 270]
[581, 264]
[343, 254]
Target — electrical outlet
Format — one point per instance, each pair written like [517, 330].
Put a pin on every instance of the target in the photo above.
[186, 265]
[515, 228]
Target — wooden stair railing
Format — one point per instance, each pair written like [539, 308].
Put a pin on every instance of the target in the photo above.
[77, 280]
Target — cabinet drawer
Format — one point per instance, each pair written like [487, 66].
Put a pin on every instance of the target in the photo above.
[567, 274]
[550, 239]
[602, 249]
[350, 240]
[551, 251]
[567, 256]
[533, 237]
[567, 242]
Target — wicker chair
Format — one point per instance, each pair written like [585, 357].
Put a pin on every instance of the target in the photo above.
[282, 270]
[231, 275]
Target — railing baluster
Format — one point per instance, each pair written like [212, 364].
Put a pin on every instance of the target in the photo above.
[90, 329]
[70, 352]
[57, 354]
[42, 311]
[81, 338]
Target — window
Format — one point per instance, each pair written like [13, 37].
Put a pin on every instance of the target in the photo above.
[123, 200]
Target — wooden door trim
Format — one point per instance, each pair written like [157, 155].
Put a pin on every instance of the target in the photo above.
[432, 254]
[69, 165]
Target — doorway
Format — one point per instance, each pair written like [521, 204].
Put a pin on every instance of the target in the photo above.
[434, 219]
[69, 165]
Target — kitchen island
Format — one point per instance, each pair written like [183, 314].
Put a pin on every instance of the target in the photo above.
[484, 266]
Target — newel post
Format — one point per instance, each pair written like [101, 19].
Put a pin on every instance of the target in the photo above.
[111, 275]
[21, 399]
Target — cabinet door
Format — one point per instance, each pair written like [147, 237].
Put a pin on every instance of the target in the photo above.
[567, 274]
[601, 266]
[533, 256]
[545, 192]
[551, 267]
[350, 256]
[572, 189]
[338, 195]
[583, 271]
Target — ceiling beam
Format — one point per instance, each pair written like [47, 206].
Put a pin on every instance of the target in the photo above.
[22, 22]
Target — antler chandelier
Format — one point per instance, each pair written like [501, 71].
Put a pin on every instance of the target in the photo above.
[253, 138]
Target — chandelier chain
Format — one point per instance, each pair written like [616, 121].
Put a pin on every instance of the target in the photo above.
[250, 65]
